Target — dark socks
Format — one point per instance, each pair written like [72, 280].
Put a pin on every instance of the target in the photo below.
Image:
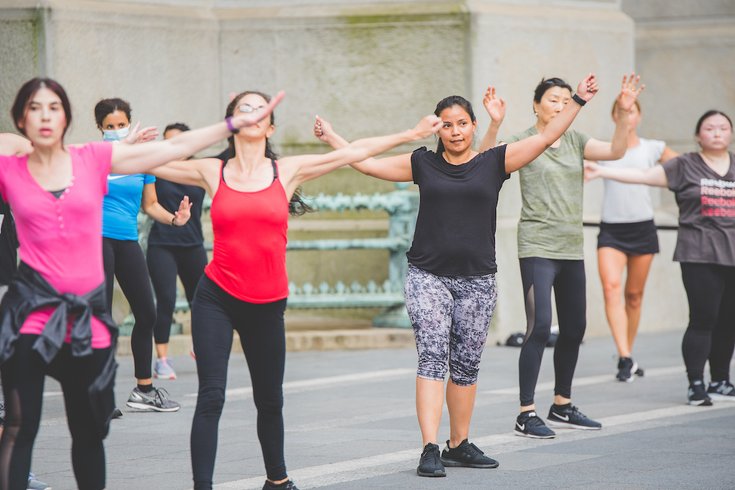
[145, 388]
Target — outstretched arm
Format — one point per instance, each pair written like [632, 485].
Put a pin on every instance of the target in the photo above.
[495, 107]
[615, 149]
[131, 159]
[654, 176]
[153, 208]
[395, 169]
[523, 152]
[12, 144]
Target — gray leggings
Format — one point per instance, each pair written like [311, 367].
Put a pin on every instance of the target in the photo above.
[450, 318]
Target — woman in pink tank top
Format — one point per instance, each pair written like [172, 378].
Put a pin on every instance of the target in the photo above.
[245, 287]
[53, 316]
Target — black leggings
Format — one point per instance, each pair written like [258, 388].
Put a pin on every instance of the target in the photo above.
[164, 263]
[567, 278]
[23, 377]
[710, 290]
[215, 314]
[124, 260]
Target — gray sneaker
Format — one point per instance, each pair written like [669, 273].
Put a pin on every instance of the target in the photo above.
[34, 484]
[154, 401]
[164, 369]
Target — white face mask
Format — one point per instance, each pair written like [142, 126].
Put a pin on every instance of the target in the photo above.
[115, 134]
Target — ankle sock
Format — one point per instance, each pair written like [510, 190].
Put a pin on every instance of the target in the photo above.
[566, 405]
[145, 388]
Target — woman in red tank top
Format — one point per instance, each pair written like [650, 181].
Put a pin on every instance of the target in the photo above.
[245, 287]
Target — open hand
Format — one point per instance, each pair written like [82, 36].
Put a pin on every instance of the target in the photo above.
[629, 92]
[138, 135]
[591, 170]
[252, 118]
[182, 215]
[495, 106]
[588, 88]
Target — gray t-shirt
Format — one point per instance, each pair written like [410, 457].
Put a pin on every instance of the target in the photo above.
[706, 210]
[631, 203]
[551, 191]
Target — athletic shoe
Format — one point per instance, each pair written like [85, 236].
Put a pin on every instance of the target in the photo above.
[116, 414]
[466, 455]
[697, 395]
[721, 390]
[164, 369]
[640, 372]
[430, 463]
[155, 400]
[568, 416]
[34, 484]
[626, 370]
[528, 424]
[287, 485]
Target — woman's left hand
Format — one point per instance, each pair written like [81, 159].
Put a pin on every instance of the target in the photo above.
[181, 217]
[138, 135]
[495, 106]
[629, 91]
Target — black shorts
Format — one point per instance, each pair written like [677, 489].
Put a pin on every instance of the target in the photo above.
[638, 238]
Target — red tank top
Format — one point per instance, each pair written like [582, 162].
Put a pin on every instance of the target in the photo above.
[250, 235]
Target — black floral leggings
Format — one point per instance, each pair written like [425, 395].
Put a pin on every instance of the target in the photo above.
[450, 318]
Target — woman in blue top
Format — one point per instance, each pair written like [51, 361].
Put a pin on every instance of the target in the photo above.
[123, 257]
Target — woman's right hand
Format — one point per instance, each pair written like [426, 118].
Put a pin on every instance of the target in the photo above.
[495, 106]
[592, 170]
[427, 126]
[323, 130]
[588, 88]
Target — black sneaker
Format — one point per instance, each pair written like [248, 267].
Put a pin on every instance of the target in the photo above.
[528, 424]
[568, 416]
[721, 390]
[287, 485]
[697, 395]
[430, 463]
[640, 372]
[626, 370]
[467, 455]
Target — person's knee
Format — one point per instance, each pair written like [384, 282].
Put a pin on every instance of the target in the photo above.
[432, 365]
[269, 402]
[210, 400]
[464, 372]
[634, 299]
[612, 289]
[572, 335]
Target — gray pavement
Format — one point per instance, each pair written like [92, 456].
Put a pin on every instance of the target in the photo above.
[350, 423]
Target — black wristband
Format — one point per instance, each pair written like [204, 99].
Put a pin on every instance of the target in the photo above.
[579, 100]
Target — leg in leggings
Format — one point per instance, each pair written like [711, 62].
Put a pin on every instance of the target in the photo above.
[190, 262]
[23, 379]
[704, 286]
[211, 332]
[723, 337]
[108, 255]
[569, 291]
[131, 272]
[162, 267]
[264, 342]
[538, 276]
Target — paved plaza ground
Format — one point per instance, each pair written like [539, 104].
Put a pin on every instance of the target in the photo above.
[350, 423]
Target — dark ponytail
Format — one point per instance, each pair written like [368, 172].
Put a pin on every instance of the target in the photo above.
[297, 206]
[450, 101]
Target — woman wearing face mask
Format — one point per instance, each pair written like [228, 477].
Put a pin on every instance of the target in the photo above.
[123, 257]
[54, 316]
[704, 185]
[450, 285]
[550, 250]
[174, 251]
[245, 286]
[628, 240]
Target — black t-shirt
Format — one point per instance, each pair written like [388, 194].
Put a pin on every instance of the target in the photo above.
[8, 245]
[455, 228]
[169, 196]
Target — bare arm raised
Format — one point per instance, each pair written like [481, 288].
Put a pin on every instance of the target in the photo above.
[142, 158]
[654, 176]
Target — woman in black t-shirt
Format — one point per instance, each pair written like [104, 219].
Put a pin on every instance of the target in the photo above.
[450, 285]
[174, 251]
[704, 184]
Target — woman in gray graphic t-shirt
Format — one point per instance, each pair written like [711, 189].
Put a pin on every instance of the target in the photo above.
[704, 184]
[628, 241]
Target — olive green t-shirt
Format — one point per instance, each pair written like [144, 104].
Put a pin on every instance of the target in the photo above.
[551, 191]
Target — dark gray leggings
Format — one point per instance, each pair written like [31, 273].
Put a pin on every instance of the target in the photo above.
[567, 278]
[450, 318]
